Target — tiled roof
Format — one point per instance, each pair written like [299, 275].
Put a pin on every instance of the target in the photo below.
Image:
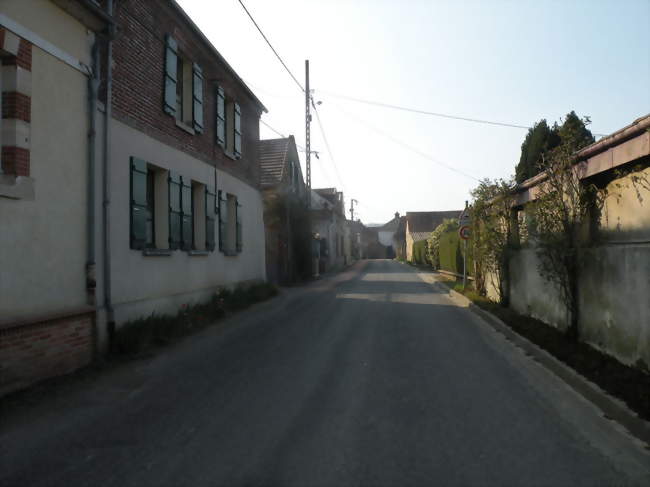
[273, 156]
[427, 221]
[418, 236]
[390, 226]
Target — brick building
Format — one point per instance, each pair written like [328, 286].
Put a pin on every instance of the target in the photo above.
[186, 210]
[286, 217]
[130, 176]
[46, 285]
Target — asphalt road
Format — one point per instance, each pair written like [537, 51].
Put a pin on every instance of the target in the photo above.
[369, 377]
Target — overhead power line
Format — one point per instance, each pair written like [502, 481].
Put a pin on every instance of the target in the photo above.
[403, 144]
[273, 130]
[272, 48]
[433, 114]
[425, 112]
[329, 149]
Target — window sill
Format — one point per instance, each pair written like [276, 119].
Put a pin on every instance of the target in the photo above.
[231, 155]
[230, 253]
[17, 187]
[157, 252]
[198, 252]
[183, 126]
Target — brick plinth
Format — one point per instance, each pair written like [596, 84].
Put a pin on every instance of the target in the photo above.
[31, 352]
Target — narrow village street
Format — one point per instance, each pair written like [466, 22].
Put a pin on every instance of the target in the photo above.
[368, 377]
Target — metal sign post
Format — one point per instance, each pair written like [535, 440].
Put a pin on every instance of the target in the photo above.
[464, 233]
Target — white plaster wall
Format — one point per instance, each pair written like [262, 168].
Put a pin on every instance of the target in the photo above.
[615, 301]
[531, 294]
[52, 24]
[492, 286]
[144, 284]
[386, 238]
[626, 211]
[43, 242]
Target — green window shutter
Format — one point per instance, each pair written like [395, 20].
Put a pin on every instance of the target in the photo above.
[238, 213]
[210, 211]
[187, 227]
[175, 210]
[221, 117]
[237, 131]
[139, 209]
[197, 98]
[223, 221]
[171, 65]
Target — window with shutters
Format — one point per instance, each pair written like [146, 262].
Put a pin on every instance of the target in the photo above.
[187, 219]
[211, 209]
[183, 97]
[228, 124]
[199, 212]
[175, 211]
[148, 222]
[220, 117]
[230, 230]
[239, 244]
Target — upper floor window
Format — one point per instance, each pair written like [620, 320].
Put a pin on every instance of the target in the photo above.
[183, 97]
[228, 124]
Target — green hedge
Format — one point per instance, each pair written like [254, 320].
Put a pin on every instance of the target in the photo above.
[420, 253]
[451, 255]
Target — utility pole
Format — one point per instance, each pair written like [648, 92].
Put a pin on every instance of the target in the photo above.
[307, 133]
[352, 202]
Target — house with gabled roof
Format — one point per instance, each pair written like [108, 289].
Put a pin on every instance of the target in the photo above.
[285, 211]
[331, 228]
[420, 224]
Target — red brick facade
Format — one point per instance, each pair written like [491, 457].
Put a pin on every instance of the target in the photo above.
[31, 352]
[15, 160]
[138, 85]
[15, 105]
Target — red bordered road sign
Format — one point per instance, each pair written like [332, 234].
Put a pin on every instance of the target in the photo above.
[463, 232]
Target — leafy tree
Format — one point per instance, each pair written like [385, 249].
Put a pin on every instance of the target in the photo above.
[563, 206]
[542, 139]
[539, 140]
[491, 234]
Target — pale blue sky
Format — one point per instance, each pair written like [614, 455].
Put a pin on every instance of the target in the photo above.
[509, 61]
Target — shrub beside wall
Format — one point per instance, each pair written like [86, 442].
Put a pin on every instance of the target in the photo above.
[451, 253]
[420, 253]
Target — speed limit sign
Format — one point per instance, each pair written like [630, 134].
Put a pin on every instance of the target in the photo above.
[463, 232]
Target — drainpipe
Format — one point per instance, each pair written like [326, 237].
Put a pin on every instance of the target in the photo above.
[93, 87]
[106, 195]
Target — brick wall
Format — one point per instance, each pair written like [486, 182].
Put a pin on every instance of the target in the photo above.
[138, 85]
[16, 58]
[32, 352]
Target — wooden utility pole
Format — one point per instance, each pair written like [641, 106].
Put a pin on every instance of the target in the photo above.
[308, 133]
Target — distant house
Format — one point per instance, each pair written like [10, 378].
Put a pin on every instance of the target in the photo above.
[386, 233]
[399, 238]
[329, 222]
[286, 220]
[420, 224]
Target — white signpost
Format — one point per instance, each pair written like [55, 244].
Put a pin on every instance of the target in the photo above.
[464, 223]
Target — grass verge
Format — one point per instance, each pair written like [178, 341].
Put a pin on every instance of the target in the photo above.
[629, 384]
[141, 334]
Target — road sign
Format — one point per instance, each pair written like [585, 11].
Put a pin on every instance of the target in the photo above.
[464, 232]
[463, 219]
